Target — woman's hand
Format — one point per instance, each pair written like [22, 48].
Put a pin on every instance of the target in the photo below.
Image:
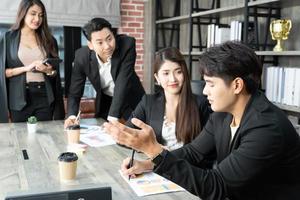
[41, 67]
[31, 67]
[142, 139]
[34, 66]
[138, 167]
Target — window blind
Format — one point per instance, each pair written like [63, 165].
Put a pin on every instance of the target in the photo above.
[68, 12]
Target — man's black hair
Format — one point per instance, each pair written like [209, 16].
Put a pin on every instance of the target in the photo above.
[231, 60]
[96, 24]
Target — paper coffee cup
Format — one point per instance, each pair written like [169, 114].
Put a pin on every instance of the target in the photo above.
[67, 162]
[73, 134]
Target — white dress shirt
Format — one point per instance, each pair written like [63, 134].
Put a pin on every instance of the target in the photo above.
[107, 83]
[233, 131]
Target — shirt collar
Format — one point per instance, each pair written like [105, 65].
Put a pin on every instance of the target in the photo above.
[100, 61]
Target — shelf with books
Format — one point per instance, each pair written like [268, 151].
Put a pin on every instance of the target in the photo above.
[280, 53]
[255, 16]
[193, 53]
[217, 11]
[240, 6]
[282, 87]
[190, 19]
[294, 110]
[259, 53]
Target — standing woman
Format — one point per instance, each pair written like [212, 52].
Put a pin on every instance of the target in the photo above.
[176, 115]
[33, 88]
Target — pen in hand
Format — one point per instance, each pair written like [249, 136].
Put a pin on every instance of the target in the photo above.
[78, 115]
[131, 162]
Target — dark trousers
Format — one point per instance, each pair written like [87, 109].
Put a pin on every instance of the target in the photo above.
[105, 105]
[37, 104]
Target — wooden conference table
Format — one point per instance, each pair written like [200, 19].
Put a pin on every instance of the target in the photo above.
[40, 172]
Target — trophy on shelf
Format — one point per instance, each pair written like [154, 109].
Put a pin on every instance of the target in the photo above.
[280, 30]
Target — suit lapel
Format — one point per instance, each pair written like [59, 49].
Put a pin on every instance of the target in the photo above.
[15, 48]
[115, 60]
[224, 145]
[93, 73]
[246, 116]
[158, 113]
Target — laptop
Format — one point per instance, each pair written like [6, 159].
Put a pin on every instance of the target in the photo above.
[91, 193]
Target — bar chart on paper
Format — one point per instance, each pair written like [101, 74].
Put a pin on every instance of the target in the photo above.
[150, 183]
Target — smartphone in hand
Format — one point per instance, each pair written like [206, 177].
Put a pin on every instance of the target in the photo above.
[52, 61]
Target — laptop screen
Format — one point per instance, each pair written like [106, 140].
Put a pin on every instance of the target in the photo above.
[103, 193]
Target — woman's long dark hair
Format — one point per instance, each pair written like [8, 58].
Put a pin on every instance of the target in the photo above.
[43, 35]
[188, 124]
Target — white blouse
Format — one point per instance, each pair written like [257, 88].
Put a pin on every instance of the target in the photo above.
[168, 134]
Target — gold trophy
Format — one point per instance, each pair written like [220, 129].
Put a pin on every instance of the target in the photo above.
[280, 30]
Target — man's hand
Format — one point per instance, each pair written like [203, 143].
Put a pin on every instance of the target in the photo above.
[71, 120]
[138, 167]
[143, 140]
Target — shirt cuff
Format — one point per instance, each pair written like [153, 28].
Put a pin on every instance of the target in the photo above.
[72, 117]
[110, 118]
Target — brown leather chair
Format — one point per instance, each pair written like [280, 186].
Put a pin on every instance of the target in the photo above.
[87, 107]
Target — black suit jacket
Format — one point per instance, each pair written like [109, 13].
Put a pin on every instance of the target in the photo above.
[128, 89]
[262, 161]
[14, 87]
[151, 110]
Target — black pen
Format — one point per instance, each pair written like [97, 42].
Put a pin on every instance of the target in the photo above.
[131, 162]
[133, 151]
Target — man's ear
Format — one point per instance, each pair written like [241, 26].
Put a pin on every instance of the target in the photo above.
[238, 84]
[90, 45]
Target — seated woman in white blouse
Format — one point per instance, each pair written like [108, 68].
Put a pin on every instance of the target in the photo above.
[174, 112]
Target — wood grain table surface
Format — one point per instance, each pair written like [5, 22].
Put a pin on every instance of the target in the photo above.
[98, 165]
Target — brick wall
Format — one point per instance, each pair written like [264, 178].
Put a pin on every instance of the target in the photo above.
[132, 23]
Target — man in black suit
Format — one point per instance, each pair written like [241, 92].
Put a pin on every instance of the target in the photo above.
[108, 62]
[257, 148]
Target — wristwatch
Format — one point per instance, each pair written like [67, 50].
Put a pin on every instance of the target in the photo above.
[159, 158]
[51, 73]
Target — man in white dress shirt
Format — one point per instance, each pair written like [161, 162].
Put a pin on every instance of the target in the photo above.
[108, 62]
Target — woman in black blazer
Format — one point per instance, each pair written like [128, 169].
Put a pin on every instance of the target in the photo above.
[33, 87]
[176, 115]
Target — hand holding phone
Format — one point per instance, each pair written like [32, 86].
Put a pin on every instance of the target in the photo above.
[52, 61]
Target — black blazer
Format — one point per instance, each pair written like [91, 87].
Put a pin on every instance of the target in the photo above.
[128, 88]
[151, 110]
[16, 86]
[262, 161]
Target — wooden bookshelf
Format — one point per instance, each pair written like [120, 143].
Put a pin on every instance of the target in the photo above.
[274, 53]
[294, 110]
[216, 12]
[229, 11]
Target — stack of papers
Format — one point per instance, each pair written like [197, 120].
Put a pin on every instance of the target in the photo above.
[95, 136]
[150, 183]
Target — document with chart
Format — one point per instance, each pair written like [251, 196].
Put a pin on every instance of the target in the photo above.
[95, 136]
[150, 183]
